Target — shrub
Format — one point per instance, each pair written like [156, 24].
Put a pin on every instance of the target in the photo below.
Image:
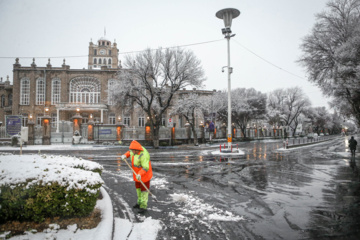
[35, 187]
[39, 202]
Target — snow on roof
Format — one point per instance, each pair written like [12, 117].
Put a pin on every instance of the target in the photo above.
[44, 169]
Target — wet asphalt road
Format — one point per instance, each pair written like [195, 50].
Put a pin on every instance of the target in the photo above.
[306, 193]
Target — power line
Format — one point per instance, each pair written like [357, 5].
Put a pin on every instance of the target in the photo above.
[130, 52]
[247, 49]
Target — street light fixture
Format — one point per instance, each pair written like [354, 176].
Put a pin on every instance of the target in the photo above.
[227, 15]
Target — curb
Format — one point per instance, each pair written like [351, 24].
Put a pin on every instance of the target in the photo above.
[307, 144]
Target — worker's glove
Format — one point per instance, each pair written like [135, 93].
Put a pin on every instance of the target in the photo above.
[138, 177]
[123, 157]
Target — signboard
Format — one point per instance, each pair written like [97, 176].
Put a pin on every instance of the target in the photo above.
[13, 124]
[170, 123]
[104, 131]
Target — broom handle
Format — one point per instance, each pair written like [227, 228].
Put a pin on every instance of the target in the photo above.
[140, 179]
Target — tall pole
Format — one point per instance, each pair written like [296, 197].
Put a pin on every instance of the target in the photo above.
[227, 15]
[229, 92]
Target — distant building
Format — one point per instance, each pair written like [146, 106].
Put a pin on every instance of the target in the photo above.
[6, 99]
[62, 92]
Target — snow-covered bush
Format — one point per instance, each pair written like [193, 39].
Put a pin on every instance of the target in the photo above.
[35, 187]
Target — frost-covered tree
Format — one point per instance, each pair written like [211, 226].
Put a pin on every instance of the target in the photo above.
[286, 106]
[191, 106]
[320, 119]
[331, 54]
[246, 105]
[152, 78]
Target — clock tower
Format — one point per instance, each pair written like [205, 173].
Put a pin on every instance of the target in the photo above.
[103, 54]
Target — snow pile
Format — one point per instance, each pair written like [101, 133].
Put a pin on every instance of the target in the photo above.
[36, 169]
[159, 183]
[237, 153]
[196, 206]
[146, 230]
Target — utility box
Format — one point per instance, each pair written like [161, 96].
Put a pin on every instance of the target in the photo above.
[24, 134]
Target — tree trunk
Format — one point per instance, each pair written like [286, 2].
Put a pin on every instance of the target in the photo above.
[155, 137]
[243, 130]
[195, 135]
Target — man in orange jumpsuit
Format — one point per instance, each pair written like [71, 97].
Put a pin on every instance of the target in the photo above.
[141, 164]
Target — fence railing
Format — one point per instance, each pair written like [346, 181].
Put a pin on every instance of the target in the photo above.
[102, 133]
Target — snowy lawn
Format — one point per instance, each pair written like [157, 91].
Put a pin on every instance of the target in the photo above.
[46, 169]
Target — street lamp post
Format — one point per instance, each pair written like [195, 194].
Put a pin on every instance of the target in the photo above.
[227, 15]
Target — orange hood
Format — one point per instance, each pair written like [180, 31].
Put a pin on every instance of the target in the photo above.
[135, 146]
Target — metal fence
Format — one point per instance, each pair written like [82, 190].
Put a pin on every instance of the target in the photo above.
[109, 133]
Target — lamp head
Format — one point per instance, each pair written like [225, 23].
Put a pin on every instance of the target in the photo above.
[227, 15]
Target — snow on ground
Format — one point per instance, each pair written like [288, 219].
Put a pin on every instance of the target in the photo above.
[238, 153]
[20, 169]
[15, 169]
[57, 147]
[196, 207]
[146, 230]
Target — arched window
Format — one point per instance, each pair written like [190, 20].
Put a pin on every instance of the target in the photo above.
[109, 61]
[111, 84]
[85, 90]
[95, 61]
[25, 91]
[2, 101]
[55, 90]
[40, 91]
[99, 60]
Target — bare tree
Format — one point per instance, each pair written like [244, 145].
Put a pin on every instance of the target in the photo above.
[331, 53]
[152, 78]
[191, 107]
[246, 105]
[287, 105]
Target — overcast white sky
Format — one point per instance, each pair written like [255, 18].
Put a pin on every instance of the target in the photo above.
[271, 29]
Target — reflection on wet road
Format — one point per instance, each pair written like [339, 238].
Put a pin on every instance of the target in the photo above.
[308, 193]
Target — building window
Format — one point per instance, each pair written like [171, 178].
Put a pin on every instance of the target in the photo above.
[10, 99]
[40, 91]
[2, 101]
[95, 62]
[39, 116]
[85, 90]
[95, 52]
[103, 43]
[25, 120]
[53, 120]
[109, 61]
[111, 84]
[55, 90]
[112, 119]
[99, 60]
[108, 43]
[85, 118]
[141, 121]
[127, 121]
[25, 91]
[110, 52]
